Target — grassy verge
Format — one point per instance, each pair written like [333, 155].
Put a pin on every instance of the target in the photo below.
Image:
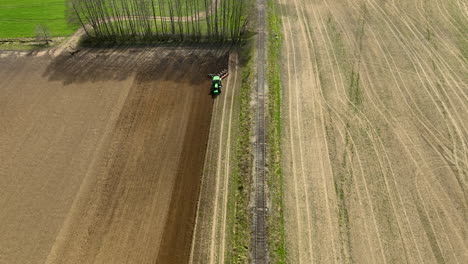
[276, 238]
[28, 44]
[21, 46]
[239, 216]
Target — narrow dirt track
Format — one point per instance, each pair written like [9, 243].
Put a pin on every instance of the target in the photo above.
[102, 154]
[259, 250]
[376, 132]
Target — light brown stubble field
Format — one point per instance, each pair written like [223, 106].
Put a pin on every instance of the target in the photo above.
[376, 130]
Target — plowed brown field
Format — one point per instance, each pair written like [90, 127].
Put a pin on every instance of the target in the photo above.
[376, 130]
[102, 154]
[211, 234]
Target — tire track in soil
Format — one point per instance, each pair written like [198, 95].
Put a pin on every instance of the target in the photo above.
[220, 147]
[410, 142]
[452, 121]
[377, 109]
[227, 168]
[429, 130]
[209, 170]
[342, 85]
[420, 157]
[328, 43]
[218, 195]
[309, 90]
[431, 196]
[403, 141]
[222, 174]
[300, 228]
[415, 57]
[210, 156]
[322, 145]
[397, 84]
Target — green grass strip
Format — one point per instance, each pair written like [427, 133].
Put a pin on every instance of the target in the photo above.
[239, 216]
[276, 229]
[19, 18]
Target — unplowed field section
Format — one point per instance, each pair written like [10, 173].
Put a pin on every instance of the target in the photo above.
[376, 130]
[102, 154]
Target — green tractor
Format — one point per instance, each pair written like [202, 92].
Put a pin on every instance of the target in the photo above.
[217, 82]
[217, 85]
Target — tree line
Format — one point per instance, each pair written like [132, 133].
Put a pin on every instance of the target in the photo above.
[181, 20]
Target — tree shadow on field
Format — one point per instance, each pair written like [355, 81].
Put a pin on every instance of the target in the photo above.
[154, 63]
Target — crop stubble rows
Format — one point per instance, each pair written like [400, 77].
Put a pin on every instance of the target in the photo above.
[376, 131]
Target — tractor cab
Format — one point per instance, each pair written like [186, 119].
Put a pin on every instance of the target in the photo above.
[217, 85]
[217, 82]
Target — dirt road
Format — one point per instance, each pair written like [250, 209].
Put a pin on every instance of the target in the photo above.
[102, 154]
[376, 134]
[259, 249]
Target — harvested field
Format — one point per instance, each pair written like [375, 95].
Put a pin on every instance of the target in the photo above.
[102, 154]
[376, 131]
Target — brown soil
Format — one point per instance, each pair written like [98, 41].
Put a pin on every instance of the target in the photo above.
[102, 154]
[376, 134]
[211, 234]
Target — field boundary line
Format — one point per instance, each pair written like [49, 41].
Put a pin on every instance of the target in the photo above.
[227, 166]
[218, 176]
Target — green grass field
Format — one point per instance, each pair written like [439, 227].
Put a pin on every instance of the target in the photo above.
[19, 18]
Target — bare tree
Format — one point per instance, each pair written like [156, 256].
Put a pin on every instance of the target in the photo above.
[176, 19]
[43, 33]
